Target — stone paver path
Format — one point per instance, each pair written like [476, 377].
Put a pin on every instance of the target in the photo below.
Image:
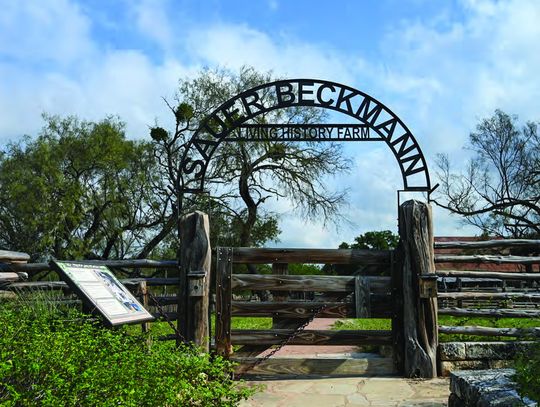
[351, 392]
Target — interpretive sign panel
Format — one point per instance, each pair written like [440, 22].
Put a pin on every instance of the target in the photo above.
[101, 292]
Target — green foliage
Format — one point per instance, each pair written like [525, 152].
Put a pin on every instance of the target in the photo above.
[380, 240]
[159, 134]
[376, 240]
[58, 359]
[79, 189]
[527, 367]
[183, 112]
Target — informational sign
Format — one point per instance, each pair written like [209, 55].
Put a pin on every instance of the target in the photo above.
[101, 292]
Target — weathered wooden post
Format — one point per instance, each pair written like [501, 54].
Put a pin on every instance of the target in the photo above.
[194, 286]
[419, 299]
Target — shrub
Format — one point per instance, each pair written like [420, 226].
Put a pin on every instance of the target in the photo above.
[60, 358]
[527, 377]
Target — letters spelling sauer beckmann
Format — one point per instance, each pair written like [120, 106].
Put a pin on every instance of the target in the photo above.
[371, 114]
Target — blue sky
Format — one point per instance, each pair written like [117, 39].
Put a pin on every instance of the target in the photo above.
[439, 65]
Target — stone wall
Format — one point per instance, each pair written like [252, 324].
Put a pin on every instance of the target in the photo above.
[485, 388]
[478, 355]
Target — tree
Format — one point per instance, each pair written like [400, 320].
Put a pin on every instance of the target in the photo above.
[374, 240]
[243, 176]
[378, 240]
[499, 191]
[79, 189]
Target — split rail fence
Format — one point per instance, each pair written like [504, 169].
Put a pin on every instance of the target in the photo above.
[490, 280]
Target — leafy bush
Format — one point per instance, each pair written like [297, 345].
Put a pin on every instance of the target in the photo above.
[59, 358]
[527, 368]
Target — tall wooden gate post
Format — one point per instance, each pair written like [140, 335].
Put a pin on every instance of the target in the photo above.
[194, 286]
[419, 311]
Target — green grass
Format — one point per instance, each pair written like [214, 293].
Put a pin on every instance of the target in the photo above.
[161, 328]
[363, 324]
[251, 323]
[386, 324]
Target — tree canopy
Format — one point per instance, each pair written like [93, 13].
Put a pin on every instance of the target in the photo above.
[379, 240]
[243, 176]
[80, 189]
[499, 191]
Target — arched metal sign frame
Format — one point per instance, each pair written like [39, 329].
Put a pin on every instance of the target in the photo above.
[377, 122]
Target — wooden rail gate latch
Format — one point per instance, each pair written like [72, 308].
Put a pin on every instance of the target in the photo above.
[428, 286]
[196, 283]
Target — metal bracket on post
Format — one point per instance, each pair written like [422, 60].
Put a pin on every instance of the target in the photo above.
[196, 283]
[428, 286]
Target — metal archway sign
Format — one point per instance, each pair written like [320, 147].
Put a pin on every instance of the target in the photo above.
[375, 122]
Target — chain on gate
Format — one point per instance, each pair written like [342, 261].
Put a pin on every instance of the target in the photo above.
[292, 336]
[166, 317]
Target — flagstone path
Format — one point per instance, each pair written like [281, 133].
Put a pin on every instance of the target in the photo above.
[351, 392]
[346, 392]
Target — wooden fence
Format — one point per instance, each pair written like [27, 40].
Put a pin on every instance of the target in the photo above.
[422, 280]
[475, 282]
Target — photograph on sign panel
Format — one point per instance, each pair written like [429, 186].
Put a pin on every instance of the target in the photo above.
[118, 291]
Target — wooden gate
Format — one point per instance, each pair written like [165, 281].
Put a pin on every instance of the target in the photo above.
[339, 296]
[403, 289]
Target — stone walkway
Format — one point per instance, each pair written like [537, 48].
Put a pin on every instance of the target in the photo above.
[351, 392]
[345, 392]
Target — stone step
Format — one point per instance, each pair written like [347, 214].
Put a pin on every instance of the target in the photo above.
[352, 365]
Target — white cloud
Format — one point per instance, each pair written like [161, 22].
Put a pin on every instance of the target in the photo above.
[44, 32]
[448, 73]
[152, 20]
[238, 45]
[60, 68]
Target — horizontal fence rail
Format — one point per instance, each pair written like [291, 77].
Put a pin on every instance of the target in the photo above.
[490, 244]
[489, 274]
[380, 285]
[135, 263]
[492, 259]
[296, 309]
[496, 313]
[488, 331]
[311, 337]
[58, 285]
[244, 255]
